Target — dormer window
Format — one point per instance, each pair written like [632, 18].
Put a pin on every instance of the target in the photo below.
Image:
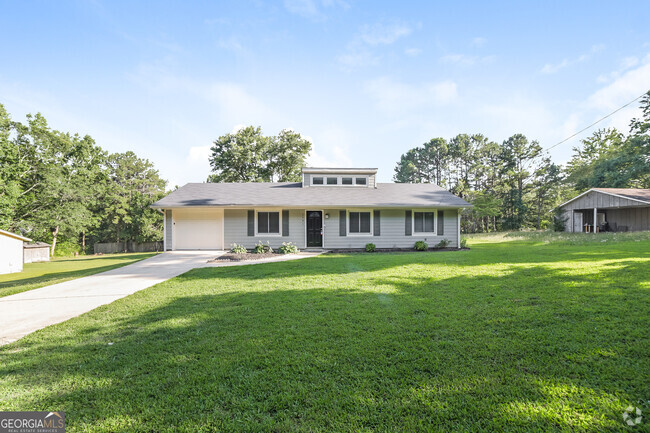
[339, 177]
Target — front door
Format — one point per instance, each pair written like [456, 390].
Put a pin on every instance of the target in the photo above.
[314, 228]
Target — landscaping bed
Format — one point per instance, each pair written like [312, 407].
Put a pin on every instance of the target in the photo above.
[235, 257]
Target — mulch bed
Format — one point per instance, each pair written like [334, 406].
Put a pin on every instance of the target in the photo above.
[392, 250]
[232, 257]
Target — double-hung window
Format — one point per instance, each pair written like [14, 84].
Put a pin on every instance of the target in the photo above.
[268, 223]
[424, 222]
[359, 223]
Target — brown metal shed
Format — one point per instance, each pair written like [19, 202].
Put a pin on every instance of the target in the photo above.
[613, 209]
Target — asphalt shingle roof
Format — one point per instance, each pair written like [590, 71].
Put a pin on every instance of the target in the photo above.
[635, 193]
[279, 194]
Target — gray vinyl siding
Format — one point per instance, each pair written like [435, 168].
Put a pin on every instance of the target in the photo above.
[392, 232]
[236, 230]
[168, 228]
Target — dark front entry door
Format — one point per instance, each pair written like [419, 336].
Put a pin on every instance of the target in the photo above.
[314, 228]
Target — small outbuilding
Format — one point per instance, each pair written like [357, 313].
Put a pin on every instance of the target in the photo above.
[608, 209]
[11, 252]
[36, 252]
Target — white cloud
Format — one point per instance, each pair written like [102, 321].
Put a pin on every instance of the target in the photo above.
[199, 153]
[358, 57]
[478, 41]
[412, 52]
[465, 60]
[362, 49]
[392, 95]
[313, 9]
[384, 34]
[552, 68]
[624, 88]
[625, 64]
[231, 44]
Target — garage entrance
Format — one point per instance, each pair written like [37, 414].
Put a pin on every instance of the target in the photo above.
[198, 229]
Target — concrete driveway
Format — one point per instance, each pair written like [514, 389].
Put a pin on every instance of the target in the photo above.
[26, 312]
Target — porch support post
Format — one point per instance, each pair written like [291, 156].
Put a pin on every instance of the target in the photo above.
[164, 230]
[459, 228]
[595, 221]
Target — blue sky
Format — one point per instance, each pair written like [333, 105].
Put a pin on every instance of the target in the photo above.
[364, 80]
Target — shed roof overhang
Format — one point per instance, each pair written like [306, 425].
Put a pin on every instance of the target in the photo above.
[602, 192]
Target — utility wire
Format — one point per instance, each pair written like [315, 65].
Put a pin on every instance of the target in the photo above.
[597, 121]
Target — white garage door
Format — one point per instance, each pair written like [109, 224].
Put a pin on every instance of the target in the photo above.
[199, 229]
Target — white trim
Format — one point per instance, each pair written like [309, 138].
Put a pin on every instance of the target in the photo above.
[372, 222]
[173, 233]
[15, 236]
[164, 230]
[279, 233]
[458, 213]
[603, 192]
[435, 221]
[339, 180]
[322, 219]
[323, 170]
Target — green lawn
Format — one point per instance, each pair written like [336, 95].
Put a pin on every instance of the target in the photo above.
[517, 334]
[59, 269]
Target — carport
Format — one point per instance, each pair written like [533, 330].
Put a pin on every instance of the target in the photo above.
[608, 209]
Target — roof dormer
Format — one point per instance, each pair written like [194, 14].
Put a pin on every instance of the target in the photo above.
[339, 177]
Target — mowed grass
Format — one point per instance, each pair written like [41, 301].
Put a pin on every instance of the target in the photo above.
[513, 335]
[60, 269]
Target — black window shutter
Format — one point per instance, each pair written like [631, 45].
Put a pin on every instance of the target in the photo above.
[441, 222]
[407, 223]
[342, 223]
[376, 224]
[251, 223]
[285, 223]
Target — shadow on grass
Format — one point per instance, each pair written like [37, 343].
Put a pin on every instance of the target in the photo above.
[541, 350]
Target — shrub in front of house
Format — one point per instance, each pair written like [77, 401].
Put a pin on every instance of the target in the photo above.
[421, 246]
[238, 249]
[261, 248]
[463, 242]
[371, 248]
[288, 248]
[443, 243]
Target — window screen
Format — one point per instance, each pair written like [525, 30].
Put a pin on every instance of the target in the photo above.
[317, 180]
[332, 180]
[346, 181]
[361, 181]
[423, 222]
[268, 222]
[359, 222]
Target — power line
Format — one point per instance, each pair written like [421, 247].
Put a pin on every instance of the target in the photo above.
[597, 121]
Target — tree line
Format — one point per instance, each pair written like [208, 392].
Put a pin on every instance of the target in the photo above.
[66, 190]
[514, 185]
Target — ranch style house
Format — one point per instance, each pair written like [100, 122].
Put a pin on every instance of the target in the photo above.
[332, 208]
